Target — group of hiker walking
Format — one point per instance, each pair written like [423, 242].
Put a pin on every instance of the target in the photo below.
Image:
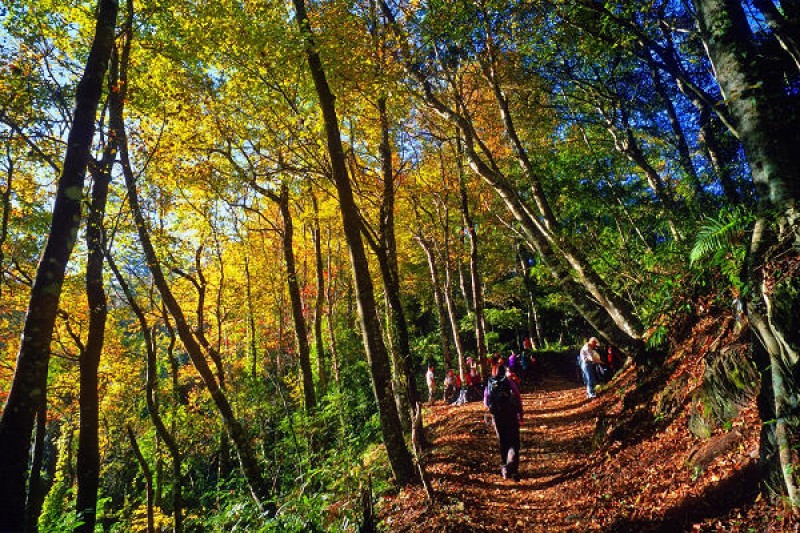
[501, 391]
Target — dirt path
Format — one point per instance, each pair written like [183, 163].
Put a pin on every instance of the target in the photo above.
[464, 466]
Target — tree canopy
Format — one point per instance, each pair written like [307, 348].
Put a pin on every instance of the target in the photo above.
[234, 233]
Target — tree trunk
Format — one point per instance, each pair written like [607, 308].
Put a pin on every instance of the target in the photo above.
[30, 375]
[451, 315]
[399, 455]
[6, 202]
[299, 321]
[88, 445]
[475, 280]
[251, 318]
[152, 405]
[720, 154]
[322, 363]
[387, 258]
[330, 302]
[608, 313]
[530, 288]
[684, 153]
[438, 297]
[36, 488]
[766, 119]
[177, 476]
[148, 479]
[251, 470]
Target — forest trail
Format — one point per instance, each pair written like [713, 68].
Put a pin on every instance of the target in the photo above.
[587, 465]
[463, 463]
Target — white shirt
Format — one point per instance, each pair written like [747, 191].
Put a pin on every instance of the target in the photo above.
[589, 355]
[431, 379]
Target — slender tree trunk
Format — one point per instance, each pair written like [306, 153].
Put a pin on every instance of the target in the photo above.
[530, 288]
[36, 488]
[684, 154]
[148, 479]
[399, 455]
[319, 300]
[6, 201]
[30, 375]
[720, 156]
[477, 286]
[300, 327]
[151, 390]
[251, 318]
[390, 271]
[330, 302]
[611, 316]
[88, 445]
[438, 297]
[625, 142]
[451, 312]
[786, 31]
[177, 476]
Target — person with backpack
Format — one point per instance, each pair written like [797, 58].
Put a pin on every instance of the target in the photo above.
[502, 399]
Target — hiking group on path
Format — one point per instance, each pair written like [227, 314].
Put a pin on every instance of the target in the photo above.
[501, 391]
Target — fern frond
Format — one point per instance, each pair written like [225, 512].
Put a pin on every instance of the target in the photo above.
[717, 234]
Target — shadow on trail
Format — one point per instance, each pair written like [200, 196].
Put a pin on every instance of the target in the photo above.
[559, 421]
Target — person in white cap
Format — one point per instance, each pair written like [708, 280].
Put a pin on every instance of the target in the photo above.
[587, 359]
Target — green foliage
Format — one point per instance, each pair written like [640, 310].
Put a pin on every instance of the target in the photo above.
[427, 349]
[56, 510]
[721, 243]
[509, 319]
[658, 338]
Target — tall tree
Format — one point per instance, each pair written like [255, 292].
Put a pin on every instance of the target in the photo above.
[399, 455]
[319, 300]
[476, 284]
[766, 113]
[281, 199]
[30, 375]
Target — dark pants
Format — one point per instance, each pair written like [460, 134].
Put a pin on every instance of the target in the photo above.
[507, 429]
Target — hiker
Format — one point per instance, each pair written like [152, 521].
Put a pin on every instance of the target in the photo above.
[473, 383]
[452, 384]
[502, 399]
[471, 364]
[587, 358]
[513, 362]
[510, 374]
[614, 359]
[524, 366]
[430, 379]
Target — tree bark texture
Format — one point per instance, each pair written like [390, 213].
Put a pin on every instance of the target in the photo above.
[319, 301]
[389, 269]
[475, 280]
[148, 479]
[89, 404]
[30, 375]
[438, 298]
[766, 118]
